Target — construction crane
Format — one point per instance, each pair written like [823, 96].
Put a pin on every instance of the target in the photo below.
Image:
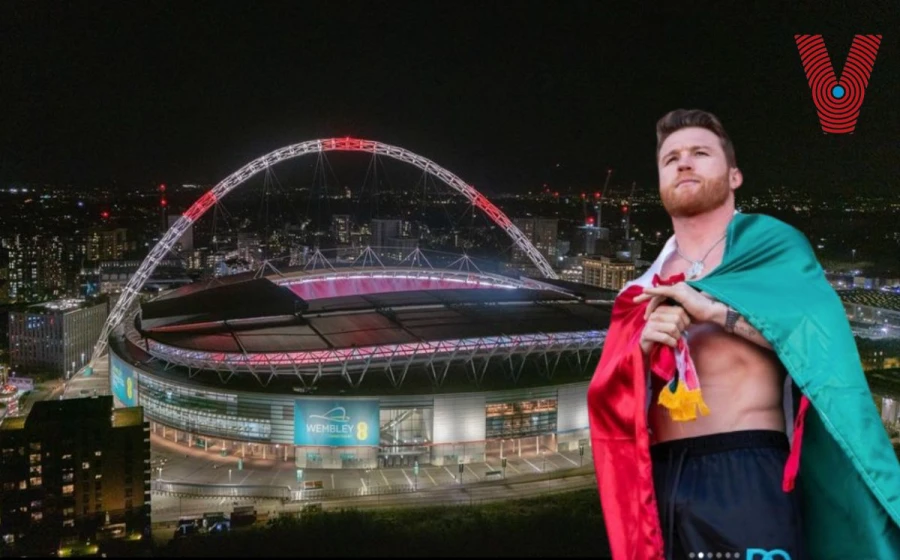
[598, 197]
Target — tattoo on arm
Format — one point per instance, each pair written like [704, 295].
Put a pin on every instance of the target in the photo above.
[746, 330]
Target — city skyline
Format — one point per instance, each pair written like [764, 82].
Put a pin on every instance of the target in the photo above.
[507, 99]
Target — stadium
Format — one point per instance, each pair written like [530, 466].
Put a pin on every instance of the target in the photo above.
[364, 367]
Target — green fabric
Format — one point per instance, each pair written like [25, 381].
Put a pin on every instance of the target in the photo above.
[849, 474]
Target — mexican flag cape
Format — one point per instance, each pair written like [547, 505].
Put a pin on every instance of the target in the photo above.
[848, 473]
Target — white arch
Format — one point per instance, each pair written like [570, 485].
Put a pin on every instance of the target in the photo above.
[130, 293]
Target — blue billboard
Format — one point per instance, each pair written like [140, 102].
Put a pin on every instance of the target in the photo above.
[336, 423]
[122, 381]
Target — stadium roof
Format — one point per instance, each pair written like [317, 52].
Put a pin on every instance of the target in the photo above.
[259, 317]
[872, 298]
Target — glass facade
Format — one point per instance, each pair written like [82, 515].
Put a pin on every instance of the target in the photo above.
[405, 435]
[520, 418]
[204, 412]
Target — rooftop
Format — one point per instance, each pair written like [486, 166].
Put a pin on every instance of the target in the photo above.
[12, 423]
[127, 417]
[872, 298]
[259, 317]
[59, 306]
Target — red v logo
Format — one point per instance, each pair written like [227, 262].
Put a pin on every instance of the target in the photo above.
[838, 100]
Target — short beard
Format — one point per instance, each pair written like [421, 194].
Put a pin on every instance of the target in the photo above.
[711, 194]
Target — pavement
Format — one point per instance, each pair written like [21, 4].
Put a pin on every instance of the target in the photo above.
[172, 462]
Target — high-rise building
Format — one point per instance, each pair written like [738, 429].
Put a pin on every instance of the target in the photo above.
[543, 234]
[249, 247]
[36, 267]
[57, 337]
[106, 245]
[340, 228]
[383, 231]
[184, 243]
[589, 239]
[73, 472]
[608, 273]
[401, 247]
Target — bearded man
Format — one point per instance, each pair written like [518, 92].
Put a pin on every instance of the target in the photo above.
[739, 306]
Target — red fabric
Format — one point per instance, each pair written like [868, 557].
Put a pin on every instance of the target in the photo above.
[617, 399]
[617, 404]
[792, 467]
[662, 357]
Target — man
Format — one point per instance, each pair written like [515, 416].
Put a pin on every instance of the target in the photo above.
[708, 355]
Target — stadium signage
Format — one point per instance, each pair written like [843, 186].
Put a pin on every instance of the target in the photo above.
[123, 381]
[336, 423]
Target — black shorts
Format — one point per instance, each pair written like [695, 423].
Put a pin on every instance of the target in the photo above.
[722, 494]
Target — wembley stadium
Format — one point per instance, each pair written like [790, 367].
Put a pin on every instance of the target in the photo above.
[364, 367]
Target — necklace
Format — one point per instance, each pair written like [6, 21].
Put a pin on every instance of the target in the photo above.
[697, 266]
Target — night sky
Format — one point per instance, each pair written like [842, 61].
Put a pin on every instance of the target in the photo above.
[507, 95]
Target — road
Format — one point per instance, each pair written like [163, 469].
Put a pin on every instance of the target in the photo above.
[167, 509]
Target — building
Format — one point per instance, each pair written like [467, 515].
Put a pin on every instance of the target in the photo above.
[588, 239]
[249, 247]
[107, 244]
[355, 367]
[111, 277]
[543, 234]
[383, 232]
[340, 228]
[607, 273]
[36, 267]
[67, 482]
[57, 337]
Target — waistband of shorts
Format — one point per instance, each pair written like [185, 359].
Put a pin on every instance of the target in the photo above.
[718, 443]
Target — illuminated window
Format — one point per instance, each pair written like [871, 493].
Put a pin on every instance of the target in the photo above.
[36, 516]
[85, 465]
[35, 481]
[98, 453]
[23, 484]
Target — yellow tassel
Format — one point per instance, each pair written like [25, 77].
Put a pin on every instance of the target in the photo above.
[683, 403]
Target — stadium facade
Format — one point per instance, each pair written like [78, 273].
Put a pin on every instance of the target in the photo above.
[365, 367]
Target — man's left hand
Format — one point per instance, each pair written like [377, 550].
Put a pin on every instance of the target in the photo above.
[698, 305]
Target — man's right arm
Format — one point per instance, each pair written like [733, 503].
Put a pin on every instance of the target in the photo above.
[735, 323]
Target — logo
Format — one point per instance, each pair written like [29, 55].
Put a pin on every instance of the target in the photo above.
[337, 424]
[838, 101]
[336, 414]
[760, 554]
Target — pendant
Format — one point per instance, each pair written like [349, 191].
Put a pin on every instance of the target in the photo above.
[695, 270]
